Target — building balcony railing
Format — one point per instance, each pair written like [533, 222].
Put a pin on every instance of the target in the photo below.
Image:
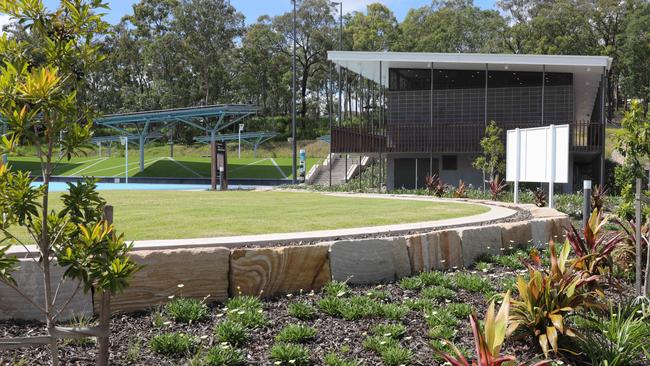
[446, 137]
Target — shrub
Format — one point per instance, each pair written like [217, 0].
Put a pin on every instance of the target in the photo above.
[513, 261]
[336, 288]
[570, 204]
[232, 333]
[290, 354]
[249, 318]
[436, 278]
[244, 303]
[377, 294]
[437, 293]
[331, 305]
[539, 197]
[461, 190]
[435, 185]
[617, 338]
[379, 343]
[411, 283]
[472, 283]
[332, 359]
[594, 250]
[360, 307]
[295, 333]
[224, 355]
[459, 310]
[389, 330]
[173, 344]
[419, 304]
[394, 311]
[396, 355]
[497, 187]
[301, 310]
[549, 297]
[598, 196]
[186, 310]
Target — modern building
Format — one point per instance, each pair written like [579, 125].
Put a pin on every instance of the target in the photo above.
[427, 112]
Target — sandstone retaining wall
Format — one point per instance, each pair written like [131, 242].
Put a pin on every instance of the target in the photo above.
[218, 272]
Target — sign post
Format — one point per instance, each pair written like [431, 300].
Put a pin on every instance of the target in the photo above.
[538, 154]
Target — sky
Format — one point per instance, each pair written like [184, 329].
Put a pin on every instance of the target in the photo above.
[252, 9]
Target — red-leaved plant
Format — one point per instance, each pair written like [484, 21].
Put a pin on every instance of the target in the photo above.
[594, 249]
[497, 186]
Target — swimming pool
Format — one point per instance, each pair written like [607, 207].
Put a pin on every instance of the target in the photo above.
[62, 186]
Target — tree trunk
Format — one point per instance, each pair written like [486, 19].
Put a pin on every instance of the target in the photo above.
[44, 247]
[104, 325]
[303, 96]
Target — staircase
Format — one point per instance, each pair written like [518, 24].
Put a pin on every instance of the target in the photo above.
[338, 171]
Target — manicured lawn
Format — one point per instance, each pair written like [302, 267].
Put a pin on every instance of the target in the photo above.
[184, 214]
[162, 166]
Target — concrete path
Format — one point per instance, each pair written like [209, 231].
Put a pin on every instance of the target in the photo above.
[495, 213]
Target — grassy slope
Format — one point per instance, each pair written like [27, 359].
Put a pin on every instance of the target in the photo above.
[172, 215]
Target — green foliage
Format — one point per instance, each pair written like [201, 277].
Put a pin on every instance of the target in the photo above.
[244, 303]
[379, 343]
[332, 359]
[360, 307]
[436, 278]
[173, 344]
[301, 310]
[619, 337]
[331, 305]
[224, 355]
[336, 288]
[249, 318]
[442, 331]
[296, 333]
[391, 330]
[396, 355]
[472, 283]
[290, 354]
[393, 311]
[549, 297]
[411, 283]
[187, 310]
[437, 293]
[232, 333]
[460, 310]
[491, 162]
[439, 316]
[376, 294]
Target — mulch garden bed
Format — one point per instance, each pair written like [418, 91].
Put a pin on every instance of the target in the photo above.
[132, 333]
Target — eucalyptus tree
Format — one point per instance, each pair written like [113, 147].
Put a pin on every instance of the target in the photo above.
[374, 30]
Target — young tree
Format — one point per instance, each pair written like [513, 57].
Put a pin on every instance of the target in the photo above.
[634, 144]
[491, 162]
[39, 88]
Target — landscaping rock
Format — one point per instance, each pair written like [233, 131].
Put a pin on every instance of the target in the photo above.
[418, 250]
[477, 241]
[201, 271]
[445, 249]
[272, 271]
[515, 234]
[546, 229]
[29, 279]
[369, 260]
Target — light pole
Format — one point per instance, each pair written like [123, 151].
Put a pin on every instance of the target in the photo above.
[293, 100]
[125, 141]
[340, 4]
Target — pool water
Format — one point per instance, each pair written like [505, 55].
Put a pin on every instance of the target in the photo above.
[62, 186]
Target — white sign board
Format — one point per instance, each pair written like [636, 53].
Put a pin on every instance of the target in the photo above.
[536, 153]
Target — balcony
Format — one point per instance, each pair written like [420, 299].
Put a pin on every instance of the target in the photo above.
[445, 137]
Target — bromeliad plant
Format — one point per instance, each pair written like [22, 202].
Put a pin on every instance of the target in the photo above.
[461, 190]
[549, 297]
[598, 195]
[539, 197]
[487, 342]
[593, 250]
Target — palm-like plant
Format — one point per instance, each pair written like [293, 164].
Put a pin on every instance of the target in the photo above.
[435, 185]
[598, 195]
[461, 190]
[487, 342]
[594, 249]
[539, 197]
[549, 297]
[497, 186]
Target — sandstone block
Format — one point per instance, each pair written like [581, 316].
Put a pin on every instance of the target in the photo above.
[479, 240]
[445, 250]
[201, 271]
[515, 234]
[272, 271]
[29, 278]
[369, 260]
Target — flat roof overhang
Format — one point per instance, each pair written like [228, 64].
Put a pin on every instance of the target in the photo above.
[367, 63]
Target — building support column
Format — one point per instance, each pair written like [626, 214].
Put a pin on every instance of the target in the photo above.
[603, 124]
[431, 125]
[543, 90]
[142, 140]
[382, 131]
[485, 111]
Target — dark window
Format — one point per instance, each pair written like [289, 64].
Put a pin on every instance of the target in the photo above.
[558, 78]
[410, 79]
[449, 162]
[509, 79]
[458, 79]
